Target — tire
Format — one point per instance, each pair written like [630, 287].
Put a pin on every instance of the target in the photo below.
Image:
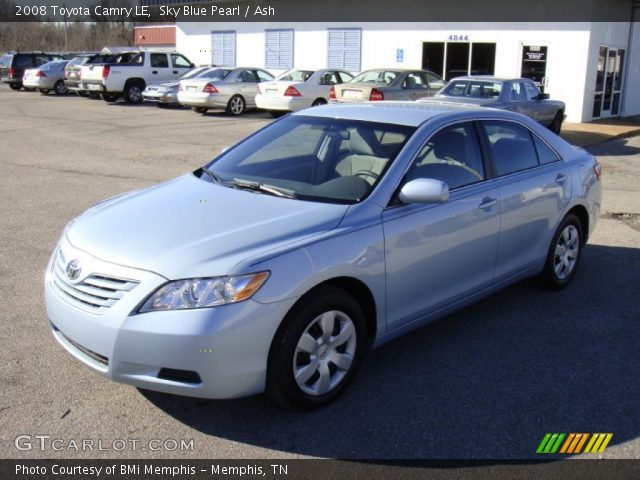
[109, 97]
[556, 125]
[564, 254]
[236, 105]
[320, 380]
[277, 113]
[201, 110]
[44, 91]
[319, 101]
[133, 92]
[60, 88]
[15, 86]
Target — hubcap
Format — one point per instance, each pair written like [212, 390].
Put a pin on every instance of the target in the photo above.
[566, 253]
[236, 105]
[135, 94]
[324, 353]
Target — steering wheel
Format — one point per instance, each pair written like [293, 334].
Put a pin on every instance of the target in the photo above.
[367, 173]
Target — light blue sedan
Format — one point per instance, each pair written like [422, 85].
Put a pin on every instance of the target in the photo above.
[331, 231]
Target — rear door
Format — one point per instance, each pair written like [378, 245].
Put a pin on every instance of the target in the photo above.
[542, 112]
[414, 86]
[247, 84]
[517, 100]
[534, 189]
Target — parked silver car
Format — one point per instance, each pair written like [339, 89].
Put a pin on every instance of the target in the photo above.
[517, 95]
[388, 84]
[164, 94]
[333, 230]
[47, 77]
[233, 89]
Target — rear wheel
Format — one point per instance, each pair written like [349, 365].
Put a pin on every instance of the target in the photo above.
[60, 88]
[201, 110]
[236, 105]
[133, 92]
[317, 350]
[564, 253]
[556, 125]
[277, 113]
[15, 86]
[319, 101]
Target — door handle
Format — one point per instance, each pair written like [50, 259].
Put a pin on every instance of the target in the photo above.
[488, 202]
[175, 71]
[561, 178]
[155, 72]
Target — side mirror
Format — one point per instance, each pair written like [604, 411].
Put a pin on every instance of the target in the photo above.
[543, 96]
[424, 190]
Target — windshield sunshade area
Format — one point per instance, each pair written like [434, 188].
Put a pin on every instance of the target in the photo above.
[377, 77]
[473, 89]
[312, 158]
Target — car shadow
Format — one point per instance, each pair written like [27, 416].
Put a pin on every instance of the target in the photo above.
[617, 147]
[485, 383]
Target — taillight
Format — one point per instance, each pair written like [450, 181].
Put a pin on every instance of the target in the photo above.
[208, 88]
[332, 93]
[376, 95]
[105, 71]
[40, 74]
[11, 71]
[291, 92]
[597, 171]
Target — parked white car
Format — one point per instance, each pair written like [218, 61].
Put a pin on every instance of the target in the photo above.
[298, 89]
[129, 78]
[233, 89]
[47, 77]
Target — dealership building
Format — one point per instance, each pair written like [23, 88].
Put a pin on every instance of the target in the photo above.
[594, 67]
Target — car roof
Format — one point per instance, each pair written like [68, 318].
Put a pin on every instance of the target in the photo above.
[489, 78]
[407, 113]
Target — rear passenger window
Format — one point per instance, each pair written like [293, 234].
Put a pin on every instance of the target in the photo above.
[545, 154]
[511, 146]
[452, 155]
[159, 60]
[24, 61]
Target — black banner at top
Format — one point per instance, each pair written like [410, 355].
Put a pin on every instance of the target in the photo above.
[321, 10]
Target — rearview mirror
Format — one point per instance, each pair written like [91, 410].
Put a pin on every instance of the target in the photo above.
[424, 190]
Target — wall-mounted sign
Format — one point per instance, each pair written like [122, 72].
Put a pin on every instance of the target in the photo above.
[399, 55]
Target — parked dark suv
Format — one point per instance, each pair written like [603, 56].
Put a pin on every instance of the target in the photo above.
[13, 65]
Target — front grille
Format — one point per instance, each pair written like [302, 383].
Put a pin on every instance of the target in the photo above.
[96, 293]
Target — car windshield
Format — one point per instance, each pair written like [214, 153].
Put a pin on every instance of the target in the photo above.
[78, 60]
[295, 76]
[196, 72]
[473, 89]
[5, 60]
[58, 64]
[377, 77]
[313, 158]
[215, 74]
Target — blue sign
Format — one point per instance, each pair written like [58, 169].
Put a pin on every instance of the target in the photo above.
[400, 55]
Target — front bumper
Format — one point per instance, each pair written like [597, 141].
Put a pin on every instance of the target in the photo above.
[227, 346]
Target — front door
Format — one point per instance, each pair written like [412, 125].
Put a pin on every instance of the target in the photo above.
[534, 64]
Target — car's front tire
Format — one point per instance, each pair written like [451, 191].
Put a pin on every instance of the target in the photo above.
[316, 350]
[133, 92]
[564, 253]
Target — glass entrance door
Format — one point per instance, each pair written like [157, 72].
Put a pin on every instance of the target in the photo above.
[534, 64]
[606, 100]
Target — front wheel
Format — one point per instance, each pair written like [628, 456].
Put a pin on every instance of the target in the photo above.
[236, 105]
[133, 93]
[317, 350]
[556, 125]
[564, 253]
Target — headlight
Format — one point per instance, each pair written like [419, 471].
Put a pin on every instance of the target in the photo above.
[204, 292]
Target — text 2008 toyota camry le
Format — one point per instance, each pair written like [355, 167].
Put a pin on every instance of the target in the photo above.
[333, 230]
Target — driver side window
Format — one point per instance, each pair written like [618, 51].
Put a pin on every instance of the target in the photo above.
[452, 155]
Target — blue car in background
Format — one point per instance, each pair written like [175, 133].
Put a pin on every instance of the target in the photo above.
[330, 231]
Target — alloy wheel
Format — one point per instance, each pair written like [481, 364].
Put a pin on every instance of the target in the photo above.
[237, 105]
[566, 252]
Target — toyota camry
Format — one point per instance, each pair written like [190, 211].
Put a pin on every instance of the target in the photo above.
[276, 266]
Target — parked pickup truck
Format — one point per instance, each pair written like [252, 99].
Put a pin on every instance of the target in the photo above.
[130, 76]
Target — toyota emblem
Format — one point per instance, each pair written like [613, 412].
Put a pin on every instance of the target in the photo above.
[73, 270]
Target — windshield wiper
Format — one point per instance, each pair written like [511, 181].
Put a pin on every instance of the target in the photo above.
[262, 187]
[214, 178]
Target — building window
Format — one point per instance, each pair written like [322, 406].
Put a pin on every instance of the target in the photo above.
[344, 48]
[223, 49]
[279, 49]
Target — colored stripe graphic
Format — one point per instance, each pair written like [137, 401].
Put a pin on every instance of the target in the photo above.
[574, 442]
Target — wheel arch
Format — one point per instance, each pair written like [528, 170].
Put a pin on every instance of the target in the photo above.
[582, 213]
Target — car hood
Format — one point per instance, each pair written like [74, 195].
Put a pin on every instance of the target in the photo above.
[188, 227]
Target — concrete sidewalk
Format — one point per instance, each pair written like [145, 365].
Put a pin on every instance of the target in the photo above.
[587, 134]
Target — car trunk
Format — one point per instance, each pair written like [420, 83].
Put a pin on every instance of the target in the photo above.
[276, 89]
[354, 92]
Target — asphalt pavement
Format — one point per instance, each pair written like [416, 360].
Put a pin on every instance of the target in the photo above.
[485, 383]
